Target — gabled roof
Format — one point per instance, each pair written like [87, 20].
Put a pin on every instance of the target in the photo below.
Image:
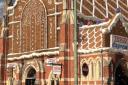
[114, 21]
[91, 36]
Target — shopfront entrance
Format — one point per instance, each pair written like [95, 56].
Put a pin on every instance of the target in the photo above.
[31, 77]
[121, 74]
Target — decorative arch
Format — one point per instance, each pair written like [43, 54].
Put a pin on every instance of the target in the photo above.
[98, 69]
[31, 73]
[33, 32]
[31, 76]
[26, 70]
[32, 64]
[91, 68]
[83, 61]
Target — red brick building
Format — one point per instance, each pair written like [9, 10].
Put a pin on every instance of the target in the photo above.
[37, 45]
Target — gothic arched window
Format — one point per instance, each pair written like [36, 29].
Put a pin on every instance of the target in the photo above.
[34, 26]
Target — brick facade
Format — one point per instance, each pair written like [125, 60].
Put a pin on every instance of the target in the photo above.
[40, 35]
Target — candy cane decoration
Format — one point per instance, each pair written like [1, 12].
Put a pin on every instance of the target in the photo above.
[127, 2]
[117, 3]
[81, 4]
[106, 4]
[93, 8]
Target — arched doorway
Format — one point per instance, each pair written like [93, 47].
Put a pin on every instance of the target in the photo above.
[121, 73]
[31, 77]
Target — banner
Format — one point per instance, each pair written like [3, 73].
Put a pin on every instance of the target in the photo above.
[56, 69]
[119, 42]
[51, 61]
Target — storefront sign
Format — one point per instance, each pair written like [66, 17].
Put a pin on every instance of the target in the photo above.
[56, 69]
[11, 65]
[119, 42]
[51, 60]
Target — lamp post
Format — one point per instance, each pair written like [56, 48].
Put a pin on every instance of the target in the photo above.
[75, 45]
[4, 35]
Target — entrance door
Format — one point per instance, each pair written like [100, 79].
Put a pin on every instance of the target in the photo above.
[54, 82]
[30, 80]
[121, 74]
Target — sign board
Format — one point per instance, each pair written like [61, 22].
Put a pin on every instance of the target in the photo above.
[11, 65]
[51, 60]
[119, 42]
[56, 69]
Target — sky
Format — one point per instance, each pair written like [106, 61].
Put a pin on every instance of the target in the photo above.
[1, 6]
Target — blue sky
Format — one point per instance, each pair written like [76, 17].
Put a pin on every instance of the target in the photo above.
[1, 6]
